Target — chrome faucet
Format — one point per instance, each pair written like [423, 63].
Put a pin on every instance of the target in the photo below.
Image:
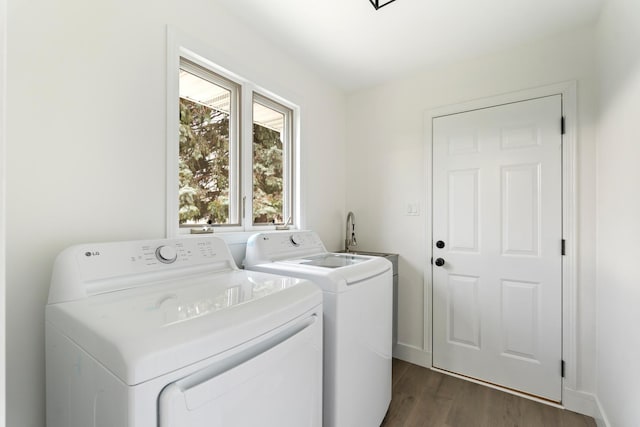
[350, 235]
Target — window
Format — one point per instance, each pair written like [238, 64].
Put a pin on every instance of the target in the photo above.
[207, 176]
[235, 152]
[271, 162]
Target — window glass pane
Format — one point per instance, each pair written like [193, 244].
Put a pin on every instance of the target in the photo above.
[204, 151]
[268, 162]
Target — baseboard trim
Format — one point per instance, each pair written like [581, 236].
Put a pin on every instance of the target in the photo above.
[601, 418]
[412, 354]
[585, 403]
[580, 401]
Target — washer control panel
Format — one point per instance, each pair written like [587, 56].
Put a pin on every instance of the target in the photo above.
[101, 267]
[275, 246]
[149, 255]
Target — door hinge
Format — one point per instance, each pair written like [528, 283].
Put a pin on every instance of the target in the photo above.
[564, 247]
[562, 368]
[562, 126]
[431, 260]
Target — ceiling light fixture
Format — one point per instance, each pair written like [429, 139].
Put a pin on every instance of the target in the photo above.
[379, 3]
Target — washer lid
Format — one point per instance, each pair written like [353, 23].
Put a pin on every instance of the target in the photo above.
[336, 279]
[332, 260]
[142, 333]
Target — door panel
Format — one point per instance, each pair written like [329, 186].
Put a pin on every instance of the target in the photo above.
[463, 210]
[520, 206]
[497, 205]
[520, 307]
[464, 320]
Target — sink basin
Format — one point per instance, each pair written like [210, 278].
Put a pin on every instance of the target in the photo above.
[391, 257]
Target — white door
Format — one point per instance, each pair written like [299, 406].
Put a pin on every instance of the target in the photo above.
[497, 226]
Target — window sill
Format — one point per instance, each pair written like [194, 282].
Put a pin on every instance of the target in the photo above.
[234, 236]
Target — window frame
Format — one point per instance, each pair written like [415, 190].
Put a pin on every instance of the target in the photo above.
[288, 166]
[235, 171]
[177, 53]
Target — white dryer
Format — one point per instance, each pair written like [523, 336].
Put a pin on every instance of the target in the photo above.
[358, 295]
[171, 333]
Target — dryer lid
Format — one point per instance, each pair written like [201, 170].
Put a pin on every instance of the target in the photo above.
[144, 332]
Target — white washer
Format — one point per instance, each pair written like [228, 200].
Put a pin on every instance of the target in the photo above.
[358, 295]
[171, 333]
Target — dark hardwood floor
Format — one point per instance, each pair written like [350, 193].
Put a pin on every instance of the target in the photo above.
[422, 397]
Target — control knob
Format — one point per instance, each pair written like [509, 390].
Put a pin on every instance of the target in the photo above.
[166, 254]
[295, 240]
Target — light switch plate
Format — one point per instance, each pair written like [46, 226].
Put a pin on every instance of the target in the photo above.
[413, 209]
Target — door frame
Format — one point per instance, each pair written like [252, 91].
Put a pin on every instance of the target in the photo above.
[3, 208]
[569, 214]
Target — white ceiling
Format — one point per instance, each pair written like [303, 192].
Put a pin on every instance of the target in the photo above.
[355, 46]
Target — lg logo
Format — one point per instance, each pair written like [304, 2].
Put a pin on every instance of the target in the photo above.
[91, 253]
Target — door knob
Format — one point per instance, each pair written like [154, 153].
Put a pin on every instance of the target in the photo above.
[439, 262]
[439, 244]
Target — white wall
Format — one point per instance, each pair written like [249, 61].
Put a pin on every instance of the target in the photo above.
[618, 213]
[386, 164]
[86, 144]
